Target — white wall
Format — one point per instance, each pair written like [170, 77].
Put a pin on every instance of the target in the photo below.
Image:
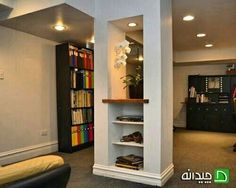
[86, 6]
[28, 93]
[166, 84]
[181, 86]
[136, 35]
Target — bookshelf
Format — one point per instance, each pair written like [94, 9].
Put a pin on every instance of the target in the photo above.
[75, 97]
[211, 107]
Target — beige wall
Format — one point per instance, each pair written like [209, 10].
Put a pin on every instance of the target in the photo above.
[28, 92]
[207, 54]
[181, 86]
[115, 83]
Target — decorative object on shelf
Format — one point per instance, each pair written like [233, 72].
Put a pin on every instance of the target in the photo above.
[192, 92]
[134, 137]
[130, 161]
[231, 69]
[234, 92]
[121, 50]
[135, 83]
[213, 83]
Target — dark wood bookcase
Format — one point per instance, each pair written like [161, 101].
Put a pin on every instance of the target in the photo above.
[75, 110]
[216, 112]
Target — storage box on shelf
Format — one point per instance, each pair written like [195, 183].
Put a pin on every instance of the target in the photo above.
[211, 107]
[74, 67]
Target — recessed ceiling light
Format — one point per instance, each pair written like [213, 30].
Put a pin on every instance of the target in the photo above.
[132, 24]
[188, 18]
[59, 27]
[208, 45]
[201, 35]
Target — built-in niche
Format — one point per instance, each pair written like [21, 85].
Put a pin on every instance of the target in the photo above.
[127, 75]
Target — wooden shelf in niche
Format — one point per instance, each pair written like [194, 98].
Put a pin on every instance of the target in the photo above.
[137, 101]
[133, 144]
[128, 122]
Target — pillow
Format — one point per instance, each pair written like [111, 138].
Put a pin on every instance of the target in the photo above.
[28, 168]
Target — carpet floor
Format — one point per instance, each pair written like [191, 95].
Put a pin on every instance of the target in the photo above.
[195, 150]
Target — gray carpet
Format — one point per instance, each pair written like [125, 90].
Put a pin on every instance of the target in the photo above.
[196, 150]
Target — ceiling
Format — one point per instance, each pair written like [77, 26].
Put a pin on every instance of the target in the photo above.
[123, 23]
[216, 18]
[40, 23]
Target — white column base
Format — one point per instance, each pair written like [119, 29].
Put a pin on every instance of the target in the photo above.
[138, 176]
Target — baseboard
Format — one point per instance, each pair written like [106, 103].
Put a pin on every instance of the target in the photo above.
[28, 152]
[138, 176]
[181, 125]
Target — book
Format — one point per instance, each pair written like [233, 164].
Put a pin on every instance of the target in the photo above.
[130, 159]
[128, 166]
[74, 136]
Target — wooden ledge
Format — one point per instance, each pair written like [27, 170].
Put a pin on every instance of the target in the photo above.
[137, 101]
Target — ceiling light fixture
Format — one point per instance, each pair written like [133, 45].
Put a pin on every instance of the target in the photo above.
[132, 24]
[59, 27]
[188, 18]
[201, 35]
[208, 45]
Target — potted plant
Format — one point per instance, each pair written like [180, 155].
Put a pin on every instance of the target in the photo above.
[134, 83]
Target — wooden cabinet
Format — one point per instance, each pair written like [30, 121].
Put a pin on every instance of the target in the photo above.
[217, 112]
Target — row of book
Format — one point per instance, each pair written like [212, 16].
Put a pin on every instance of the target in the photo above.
[80, 116]
[81, 59]
[82, 134]
[82, 79]
[81, 98]
[130, 161]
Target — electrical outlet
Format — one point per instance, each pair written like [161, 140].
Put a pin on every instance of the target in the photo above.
[44, 132]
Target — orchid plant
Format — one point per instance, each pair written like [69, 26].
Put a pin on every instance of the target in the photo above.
[121, 49]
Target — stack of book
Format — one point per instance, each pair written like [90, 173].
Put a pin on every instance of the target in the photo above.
[130, 161]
